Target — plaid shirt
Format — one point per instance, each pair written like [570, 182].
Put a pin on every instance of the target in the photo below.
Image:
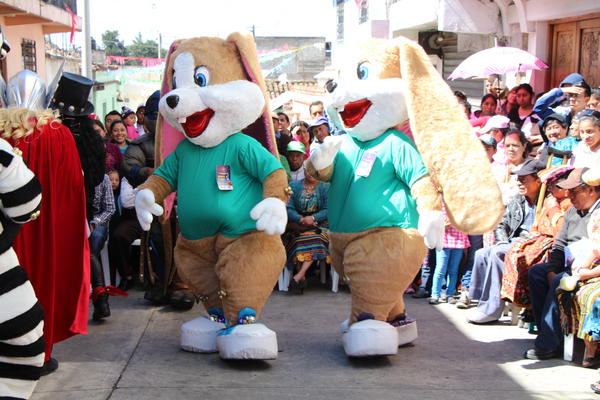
[453, 238]
[104, 202]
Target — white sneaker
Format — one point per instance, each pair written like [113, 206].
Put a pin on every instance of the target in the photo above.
[200, 335]
[464, 301]
[247, 342]
[370, 337]
[407, 333]
[477, 317]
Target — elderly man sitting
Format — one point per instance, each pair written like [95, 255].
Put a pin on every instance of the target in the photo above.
[488, 267]
[545, 278]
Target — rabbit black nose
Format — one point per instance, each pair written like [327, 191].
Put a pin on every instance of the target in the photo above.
[330, 86]
[172, 100]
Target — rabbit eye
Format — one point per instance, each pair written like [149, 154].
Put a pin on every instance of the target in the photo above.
[201, 76]
[362, 70]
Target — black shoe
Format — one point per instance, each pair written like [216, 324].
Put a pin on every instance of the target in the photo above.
[420, 294]
[101, 307]
[126, 284]
[155, 295]
[181, 301]
[297, 287]
[49, 367]
[537, 354]
[526, 316]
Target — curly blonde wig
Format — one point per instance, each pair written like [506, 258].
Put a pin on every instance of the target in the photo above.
[18, 122]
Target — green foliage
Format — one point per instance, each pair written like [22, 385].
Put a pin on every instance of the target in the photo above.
[112, 45]
[138, 48]
[143, 48]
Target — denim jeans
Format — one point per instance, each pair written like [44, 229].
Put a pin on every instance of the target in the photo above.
[545, 307]
[97, 239]
[476, 244]
[448, 261]
[427, 270]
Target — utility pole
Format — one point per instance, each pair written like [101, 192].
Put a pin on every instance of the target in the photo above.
[159, 44]
[86, 49]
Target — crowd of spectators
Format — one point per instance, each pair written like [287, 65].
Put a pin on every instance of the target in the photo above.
[543, 259]
[542, 151]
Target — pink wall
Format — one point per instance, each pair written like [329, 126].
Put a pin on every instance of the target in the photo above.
[14, 34]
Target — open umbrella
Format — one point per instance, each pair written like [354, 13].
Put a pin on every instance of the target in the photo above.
[497, 61]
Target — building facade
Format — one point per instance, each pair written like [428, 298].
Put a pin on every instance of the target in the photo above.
[564, 34]
[24, 24]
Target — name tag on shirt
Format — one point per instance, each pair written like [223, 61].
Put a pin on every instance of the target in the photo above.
[224, 177]
[366, 164]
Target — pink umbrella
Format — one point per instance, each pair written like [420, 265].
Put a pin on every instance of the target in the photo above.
[497, 61]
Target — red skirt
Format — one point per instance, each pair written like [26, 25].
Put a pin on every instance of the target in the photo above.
[524, 254]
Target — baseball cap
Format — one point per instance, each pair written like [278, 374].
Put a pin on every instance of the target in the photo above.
[294, 145]
[573, 180]
[592, 176]
[554, 117]
[151, 111]
[495, 122]
[530, 167]
[318, 122]
[488, 139]
[555, 173]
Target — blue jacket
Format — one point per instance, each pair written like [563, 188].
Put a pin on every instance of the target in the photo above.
[293, 206]
[544, 105]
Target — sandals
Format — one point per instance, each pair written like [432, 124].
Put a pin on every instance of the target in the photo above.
[590, 362]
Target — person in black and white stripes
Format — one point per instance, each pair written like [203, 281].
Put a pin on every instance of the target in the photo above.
[21, 316]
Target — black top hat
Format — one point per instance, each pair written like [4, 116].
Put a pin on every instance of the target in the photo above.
[71, 95]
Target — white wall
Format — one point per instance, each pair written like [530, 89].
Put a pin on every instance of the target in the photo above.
[411, 14]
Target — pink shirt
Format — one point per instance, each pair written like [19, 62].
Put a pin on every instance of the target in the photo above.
[453, 238]
[132, 133]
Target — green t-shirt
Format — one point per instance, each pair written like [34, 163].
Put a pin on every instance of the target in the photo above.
[358, 203]
[203, 209]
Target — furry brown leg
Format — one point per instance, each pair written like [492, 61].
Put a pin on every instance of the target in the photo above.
[195, 261]
[337, 244]
[248, 267]
[379, 265]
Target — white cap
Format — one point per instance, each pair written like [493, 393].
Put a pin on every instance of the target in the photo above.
[496, 122]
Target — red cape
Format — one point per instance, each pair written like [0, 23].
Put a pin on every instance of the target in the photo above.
[54, 248]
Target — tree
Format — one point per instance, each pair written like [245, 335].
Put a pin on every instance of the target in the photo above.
[142, 48]
[112, 45]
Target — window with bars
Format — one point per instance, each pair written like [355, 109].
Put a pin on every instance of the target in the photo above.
[363, 16]
[340, 22]
[29, 55]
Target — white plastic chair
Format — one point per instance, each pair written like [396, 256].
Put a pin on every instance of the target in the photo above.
[335, 278]
[284, 280]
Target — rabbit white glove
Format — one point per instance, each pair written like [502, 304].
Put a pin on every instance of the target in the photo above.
[323, 156]
[431, 227]
[145, 207]
[270, 215]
